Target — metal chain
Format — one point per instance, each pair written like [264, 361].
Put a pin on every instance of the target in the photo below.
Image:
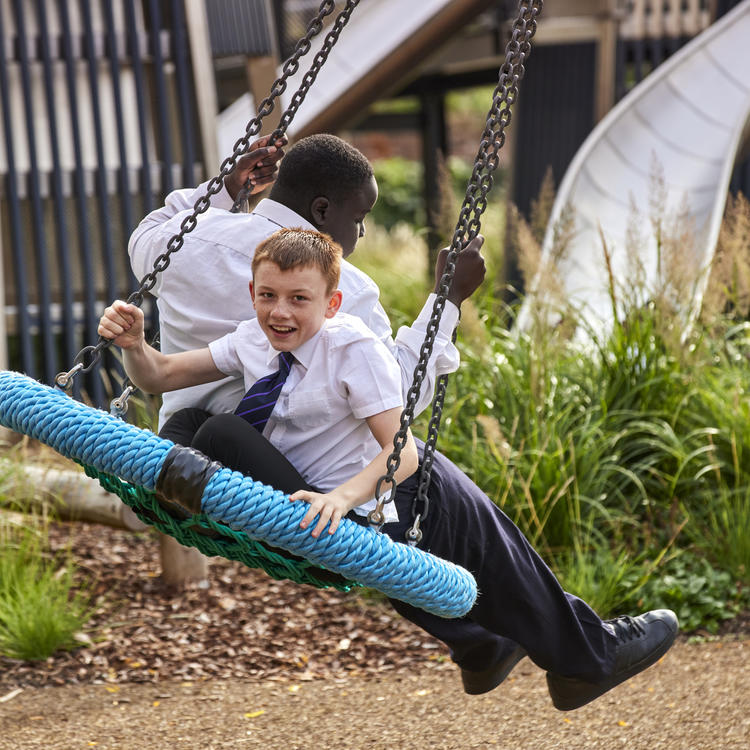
[467, 227]
[307, 81]
[89, 355]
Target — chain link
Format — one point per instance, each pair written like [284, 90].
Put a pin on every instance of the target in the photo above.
[291, 66]
[467, 227]
[307, 81]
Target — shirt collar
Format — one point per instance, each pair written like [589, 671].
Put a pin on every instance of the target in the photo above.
[280, 214]
[302, 354]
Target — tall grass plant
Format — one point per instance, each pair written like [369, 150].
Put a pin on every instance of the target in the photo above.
[42, 604]
[625, 458]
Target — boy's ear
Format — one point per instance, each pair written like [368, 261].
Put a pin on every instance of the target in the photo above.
[319, 211]
[334, 303]
[252, 292]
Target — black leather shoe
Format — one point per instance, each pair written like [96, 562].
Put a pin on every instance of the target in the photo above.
[641, 641]
[476, 683]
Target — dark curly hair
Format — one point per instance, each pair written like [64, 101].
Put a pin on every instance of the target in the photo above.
[320, 165]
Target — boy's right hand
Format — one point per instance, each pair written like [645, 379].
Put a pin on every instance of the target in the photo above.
[259, 165]
[123, 323]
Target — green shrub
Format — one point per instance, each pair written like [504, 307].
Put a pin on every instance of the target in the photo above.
[400, 195]
[42, 607]
[723, 531]
[701, 595]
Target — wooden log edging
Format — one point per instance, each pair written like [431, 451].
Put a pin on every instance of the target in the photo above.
[71, 495]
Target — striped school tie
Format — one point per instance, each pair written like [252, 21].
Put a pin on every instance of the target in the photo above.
[258, 403]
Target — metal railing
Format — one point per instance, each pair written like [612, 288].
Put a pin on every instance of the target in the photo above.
[98, 124]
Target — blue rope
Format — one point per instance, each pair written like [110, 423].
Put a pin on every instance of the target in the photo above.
[96, 438]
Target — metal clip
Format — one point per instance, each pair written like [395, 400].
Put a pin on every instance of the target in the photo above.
[376, 517]
[63, 380]
[118, 407]
[414, 534]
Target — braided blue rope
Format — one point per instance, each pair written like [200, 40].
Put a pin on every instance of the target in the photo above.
[98, 439]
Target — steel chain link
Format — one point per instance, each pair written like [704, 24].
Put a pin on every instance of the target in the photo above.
[307, 81]
[511, 72]
[291, 66]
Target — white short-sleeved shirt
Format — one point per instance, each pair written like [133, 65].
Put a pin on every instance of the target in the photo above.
[204, 294]
[341, 376]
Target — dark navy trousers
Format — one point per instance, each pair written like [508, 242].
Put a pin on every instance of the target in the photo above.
[520, 601]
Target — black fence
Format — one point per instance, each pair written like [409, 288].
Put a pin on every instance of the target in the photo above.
[98, 124]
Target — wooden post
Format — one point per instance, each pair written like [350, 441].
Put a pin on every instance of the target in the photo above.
[606, 54]
[263, 71]
[71, 495]
[433, 157]
[205, 82]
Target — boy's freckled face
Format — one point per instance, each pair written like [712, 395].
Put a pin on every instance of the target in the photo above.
[291, 305]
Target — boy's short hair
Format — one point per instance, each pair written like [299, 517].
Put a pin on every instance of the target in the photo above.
[292, 248]
[322, 165]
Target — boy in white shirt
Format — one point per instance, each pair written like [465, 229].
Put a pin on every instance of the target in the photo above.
[341, 403]
[335, 418]
[323, 183]
[326, 184]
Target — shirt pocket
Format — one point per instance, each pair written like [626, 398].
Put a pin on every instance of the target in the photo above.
[312, 410]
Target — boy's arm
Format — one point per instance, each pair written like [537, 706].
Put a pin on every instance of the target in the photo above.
[148, 368]
[334, 505]
[406, 347]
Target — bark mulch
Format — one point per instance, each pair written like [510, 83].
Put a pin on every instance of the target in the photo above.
[252, 662]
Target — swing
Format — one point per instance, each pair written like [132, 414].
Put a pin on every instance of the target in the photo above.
[231, 515]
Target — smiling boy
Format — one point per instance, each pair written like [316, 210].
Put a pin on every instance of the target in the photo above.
[340, 403]
[336, 406]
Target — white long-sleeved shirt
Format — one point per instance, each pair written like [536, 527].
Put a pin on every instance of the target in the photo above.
[204, 293]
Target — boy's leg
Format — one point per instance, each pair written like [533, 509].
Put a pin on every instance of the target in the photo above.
[485, 658]
[181, 427]
[235, 443]
[519, 596]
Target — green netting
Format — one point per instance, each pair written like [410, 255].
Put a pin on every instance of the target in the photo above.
[217, 540]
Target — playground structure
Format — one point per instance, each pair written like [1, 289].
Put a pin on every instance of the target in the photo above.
[107, 111]
[686, 125]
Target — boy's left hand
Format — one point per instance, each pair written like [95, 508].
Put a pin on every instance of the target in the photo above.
[328, 507]
[468, 274]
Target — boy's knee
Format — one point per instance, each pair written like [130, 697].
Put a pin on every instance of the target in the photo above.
[182, 426]
[219, 427]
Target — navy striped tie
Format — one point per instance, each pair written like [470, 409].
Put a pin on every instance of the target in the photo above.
[258, 403]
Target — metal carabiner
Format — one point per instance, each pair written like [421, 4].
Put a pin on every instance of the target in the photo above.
[414, 534]
[376, 517]
[63, 380]
[118, 407]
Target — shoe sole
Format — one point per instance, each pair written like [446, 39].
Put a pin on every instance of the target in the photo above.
[577, 693]
[477, 683]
